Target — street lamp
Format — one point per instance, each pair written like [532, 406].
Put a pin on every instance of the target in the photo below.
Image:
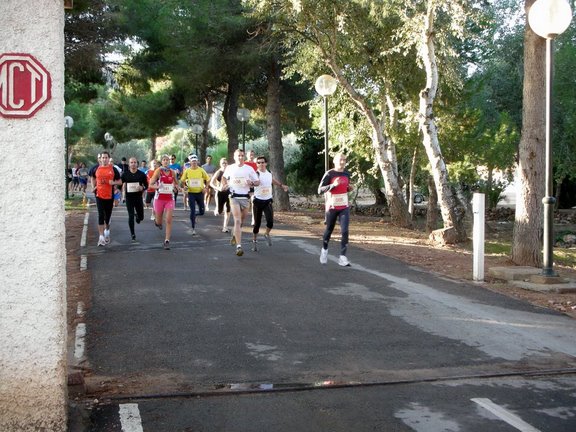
[109, 138]
[548, 19]
[326, 86]
[68, 123]
[197, 130]
[243, 115]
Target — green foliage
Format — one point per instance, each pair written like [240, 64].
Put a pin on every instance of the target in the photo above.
[305, 171]
[493, 191]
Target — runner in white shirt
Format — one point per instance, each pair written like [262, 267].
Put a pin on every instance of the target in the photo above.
[239, 178]
[262, 202]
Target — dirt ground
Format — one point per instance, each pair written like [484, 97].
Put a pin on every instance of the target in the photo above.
[366, 232]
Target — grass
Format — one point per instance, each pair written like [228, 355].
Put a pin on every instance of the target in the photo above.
[74, 203]
[562, 256]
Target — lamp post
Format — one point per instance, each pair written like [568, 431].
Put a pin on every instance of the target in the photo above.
[197, 129]
[243, 115]
[326, 86]
[68, 123]
[109, 138]
[548, 19]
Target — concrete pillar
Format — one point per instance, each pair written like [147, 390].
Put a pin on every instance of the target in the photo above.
[33, 392]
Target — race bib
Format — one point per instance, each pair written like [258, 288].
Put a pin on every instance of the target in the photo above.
[239, 182]
[194, 183]
[132, 187]
[265, 191]
[339, 200]
[165, 188]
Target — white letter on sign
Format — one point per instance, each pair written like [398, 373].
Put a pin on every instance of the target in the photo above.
[11, 68]
[34, 77]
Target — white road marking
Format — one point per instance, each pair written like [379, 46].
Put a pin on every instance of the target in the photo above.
[130, 418]
[79, 343]
[507, 416]
[80, 309]
[83, 262]
[84, 230]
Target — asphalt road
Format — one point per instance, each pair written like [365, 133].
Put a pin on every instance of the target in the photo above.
[198, 339]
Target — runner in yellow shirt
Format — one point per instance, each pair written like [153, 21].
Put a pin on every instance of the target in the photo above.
[196, 180]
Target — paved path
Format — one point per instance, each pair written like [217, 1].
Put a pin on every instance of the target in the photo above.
[198, 339]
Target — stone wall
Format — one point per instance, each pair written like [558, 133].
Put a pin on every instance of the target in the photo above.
[32, 262]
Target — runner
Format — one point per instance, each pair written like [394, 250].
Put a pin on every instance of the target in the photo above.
[195, 180]
[144, 167]
[262, 202]
[239, 178]
[251, 161]
[177, 168]
[336, 184]
[83, 178]
[134, 182]
[222, 195]
[150, 192]
[164, 180]
[209, 193]
[184, 168]
[103, 182]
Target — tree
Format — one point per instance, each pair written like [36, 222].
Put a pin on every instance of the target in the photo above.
[527, 235]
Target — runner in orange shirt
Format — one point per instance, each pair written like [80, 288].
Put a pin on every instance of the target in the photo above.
[104, 179]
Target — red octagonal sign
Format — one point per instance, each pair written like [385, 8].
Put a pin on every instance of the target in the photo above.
[25, 85]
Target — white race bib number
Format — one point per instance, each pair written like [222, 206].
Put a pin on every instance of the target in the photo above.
[239, 182]
[132, 187]
[165, 188]
[339, 200]
[265, 191]
[194, 183]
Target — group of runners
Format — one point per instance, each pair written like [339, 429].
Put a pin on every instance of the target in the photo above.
[239, 186]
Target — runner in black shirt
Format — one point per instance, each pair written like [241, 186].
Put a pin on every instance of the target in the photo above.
[134, 183]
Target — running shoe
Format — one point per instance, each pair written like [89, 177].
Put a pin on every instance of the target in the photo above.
[254, 246]
[166, 244]
[107, 236]
[138, 220]
[133, 238]
[343, 261]
[101, 241]
[268, 239]
[225, 230]
[152, 217]
[216, 212]
[239, 250]
[233, 240]
[159, 226]
[193, 232]
[323, 256]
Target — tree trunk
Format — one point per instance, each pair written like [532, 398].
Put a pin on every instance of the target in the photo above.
[274, 134]
[430, 133]
[229, 113]
[489, 186]
[410, 191]
[153, 148]
[208, 106]
[432, 209]
[384, 154]
[527, 235]
[378, 195]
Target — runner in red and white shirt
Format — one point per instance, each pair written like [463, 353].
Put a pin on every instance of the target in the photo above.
[165, 181]
[335, 184]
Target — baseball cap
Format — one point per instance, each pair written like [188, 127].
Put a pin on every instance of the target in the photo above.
[192, 157]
